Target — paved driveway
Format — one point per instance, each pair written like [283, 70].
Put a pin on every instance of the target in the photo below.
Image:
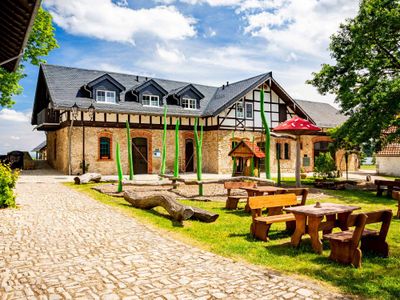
[64, 245]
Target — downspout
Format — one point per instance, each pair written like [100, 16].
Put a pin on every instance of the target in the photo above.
[136, 96]
[87, 90]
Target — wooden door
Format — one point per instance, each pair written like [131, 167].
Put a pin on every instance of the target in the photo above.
[139, 150]
[189, 155]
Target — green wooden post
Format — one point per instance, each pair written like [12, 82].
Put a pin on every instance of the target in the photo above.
[252, 162]
[176, 162]
[267, 137]
[199, 145]
[130, 159]
[234, 159]
[119, 168]
[164, 144]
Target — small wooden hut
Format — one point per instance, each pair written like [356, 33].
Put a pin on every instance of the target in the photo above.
[244, 151]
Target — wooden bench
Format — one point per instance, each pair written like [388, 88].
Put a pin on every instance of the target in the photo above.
[261, 224]
[374, 240]
[386, 185]
[232, 201]
[396, 195]
[303, 192]
[344, 244]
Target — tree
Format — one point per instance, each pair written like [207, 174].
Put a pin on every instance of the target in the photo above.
[366, 75]
[342, 142]
[40, 42]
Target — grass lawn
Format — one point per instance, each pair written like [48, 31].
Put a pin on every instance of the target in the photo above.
[229, 236]
[368, 167]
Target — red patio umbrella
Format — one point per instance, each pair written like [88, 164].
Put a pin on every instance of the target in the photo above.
[297, 126]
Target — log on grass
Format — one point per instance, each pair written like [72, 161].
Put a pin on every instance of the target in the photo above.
[167, 200]
[204, 215]
[176, 210]
[88, 177]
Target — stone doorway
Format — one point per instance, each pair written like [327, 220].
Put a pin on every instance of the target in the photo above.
[189, 155]
[139, 150]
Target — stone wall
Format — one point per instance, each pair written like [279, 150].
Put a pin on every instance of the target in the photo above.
[388, 165]
[216, 146]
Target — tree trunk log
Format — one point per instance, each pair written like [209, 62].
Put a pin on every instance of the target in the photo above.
[85, 178]
[204, 215]
[177, 211]
[167, 200]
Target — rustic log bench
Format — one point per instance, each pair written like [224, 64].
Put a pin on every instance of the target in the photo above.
[261, 224]
[396, 195]
[386, 185]
[343, 243]
[232, 201]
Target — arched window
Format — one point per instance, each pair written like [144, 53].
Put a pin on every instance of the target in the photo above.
[287, 151]
[105, 148]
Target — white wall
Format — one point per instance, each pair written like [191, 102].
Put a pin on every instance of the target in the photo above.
[388, 165]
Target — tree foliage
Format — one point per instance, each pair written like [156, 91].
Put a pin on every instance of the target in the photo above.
[324, 165]
[40, 42]
[366, 75]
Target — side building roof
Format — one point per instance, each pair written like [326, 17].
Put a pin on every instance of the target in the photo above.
[324, 114]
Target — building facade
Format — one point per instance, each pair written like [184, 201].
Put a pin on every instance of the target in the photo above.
[228, 114]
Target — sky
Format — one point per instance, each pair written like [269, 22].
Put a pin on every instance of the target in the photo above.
[202, 41]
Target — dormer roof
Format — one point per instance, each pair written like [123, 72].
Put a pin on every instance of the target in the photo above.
[148, 83]
[103, 77]
[188, 87]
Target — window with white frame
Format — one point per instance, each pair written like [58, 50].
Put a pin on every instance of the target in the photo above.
[150, 100]
[189, 103]
[239, 110]
[105, 96]
[249, 110]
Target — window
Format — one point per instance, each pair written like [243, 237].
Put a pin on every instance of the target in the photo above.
[189, 103]
[287, 151]
[105, 96]
[249, 110]
[150, 100]
[239, 110]
[105, 148]
[278, 151]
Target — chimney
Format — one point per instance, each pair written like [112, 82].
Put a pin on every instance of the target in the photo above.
[223, 86]
[227, 83]
[137, 78]
[146, 78]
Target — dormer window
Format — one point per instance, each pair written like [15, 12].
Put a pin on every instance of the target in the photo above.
[105, 96]
[189, 103]
[150, 100]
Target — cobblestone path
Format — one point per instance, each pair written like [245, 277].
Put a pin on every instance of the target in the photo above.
[61, 244]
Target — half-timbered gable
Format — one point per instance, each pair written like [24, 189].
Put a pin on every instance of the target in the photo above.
[120, 98]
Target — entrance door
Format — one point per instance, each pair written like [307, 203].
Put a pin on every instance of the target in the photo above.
[139, 151]
[189, 154]
[322, 147]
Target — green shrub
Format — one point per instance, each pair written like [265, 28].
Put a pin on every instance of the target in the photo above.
[324, 166]
[8, 179]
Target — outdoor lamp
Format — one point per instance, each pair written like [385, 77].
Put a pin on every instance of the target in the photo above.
[91, 110]
[74, 110]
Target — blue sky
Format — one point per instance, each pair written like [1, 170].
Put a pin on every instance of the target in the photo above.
[203, 41]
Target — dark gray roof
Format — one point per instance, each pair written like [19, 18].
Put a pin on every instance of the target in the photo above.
[65, 82]
[324, 114]
[40, 146]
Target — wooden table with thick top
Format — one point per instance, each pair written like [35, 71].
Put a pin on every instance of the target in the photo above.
[260, 191]
[309, 220]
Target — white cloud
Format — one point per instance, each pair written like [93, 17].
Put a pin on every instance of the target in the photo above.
[170, 55]
[105, 20]
[13, 116]
[17, 132]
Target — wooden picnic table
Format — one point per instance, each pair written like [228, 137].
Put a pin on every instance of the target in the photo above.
[260, 191]
[390, 184]
[309, 220]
